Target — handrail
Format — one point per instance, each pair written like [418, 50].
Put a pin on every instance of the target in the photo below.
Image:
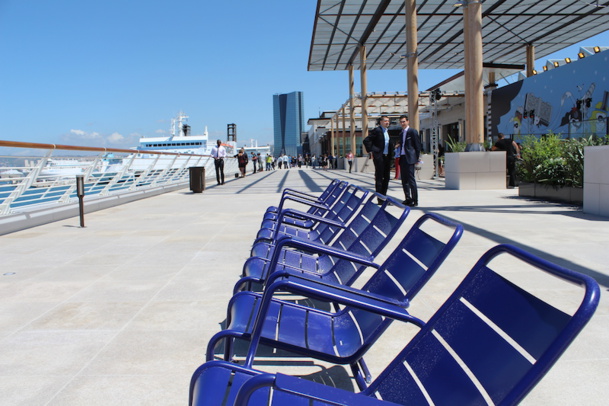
[48, 180]
[19, 144]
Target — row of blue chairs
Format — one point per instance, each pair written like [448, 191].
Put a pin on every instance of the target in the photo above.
[489, 343]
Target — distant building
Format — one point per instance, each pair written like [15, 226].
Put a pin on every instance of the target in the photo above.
[288, 117]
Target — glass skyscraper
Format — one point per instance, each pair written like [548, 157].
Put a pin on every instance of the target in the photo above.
[288, 117]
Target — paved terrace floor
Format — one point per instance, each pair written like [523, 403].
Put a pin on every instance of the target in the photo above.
[120, 312]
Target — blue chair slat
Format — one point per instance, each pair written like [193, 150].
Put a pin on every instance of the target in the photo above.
[439, 373]
[289, 327]
[496, 364]
[537, 324]
[318, 326]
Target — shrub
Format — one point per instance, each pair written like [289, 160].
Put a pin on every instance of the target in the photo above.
[553, 161]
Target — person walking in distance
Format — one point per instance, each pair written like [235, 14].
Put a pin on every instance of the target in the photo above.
[409, 156]
[218, 152]
[350, 160]
[254, 161]
[242, 161]
[381, 147]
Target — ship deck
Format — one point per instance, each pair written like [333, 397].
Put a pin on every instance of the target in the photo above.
[120, 312]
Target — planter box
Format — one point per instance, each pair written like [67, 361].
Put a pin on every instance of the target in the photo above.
[565, 194]
[480, 170]
[596, 181]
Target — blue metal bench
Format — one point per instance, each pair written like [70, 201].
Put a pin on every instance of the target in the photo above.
[491, 342]
[343, 336]
[366, 235]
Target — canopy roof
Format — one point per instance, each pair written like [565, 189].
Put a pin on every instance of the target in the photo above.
[508, 26]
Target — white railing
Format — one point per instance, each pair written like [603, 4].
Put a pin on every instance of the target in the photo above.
[34, 175]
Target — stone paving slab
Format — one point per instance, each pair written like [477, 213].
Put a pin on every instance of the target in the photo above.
[120, 312]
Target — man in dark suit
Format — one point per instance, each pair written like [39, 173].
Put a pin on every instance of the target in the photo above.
[381, 147]
[409, 156]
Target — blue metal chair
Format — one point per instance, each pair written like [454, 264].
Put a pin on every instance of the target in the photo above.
[366, 235]
[312, 227]
[343, 336]
[317, 204]
[491, 342]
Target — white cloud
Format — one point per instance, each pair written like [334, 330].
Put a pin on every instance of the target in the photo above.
[115, 138]
[80, 134]
[95, 139]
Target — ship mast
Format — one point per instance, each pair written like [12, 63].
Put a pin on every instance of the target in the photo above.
[176, 125]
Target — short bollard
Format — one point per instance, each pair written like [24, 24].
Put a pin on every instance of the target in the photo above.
[80, 192]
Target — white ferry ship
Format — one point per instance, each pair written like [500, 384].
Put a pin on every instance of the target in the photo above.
[181, 140]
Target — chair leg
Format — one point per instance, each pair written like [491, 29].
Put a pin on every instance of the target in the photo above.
[228, 348]
[361, 373]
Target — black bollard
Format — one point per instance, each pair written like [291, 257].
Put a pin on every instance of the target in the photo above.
[80, 192]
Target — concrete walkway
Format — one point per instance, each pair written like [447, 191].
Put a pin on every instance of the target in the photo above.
[120, 312]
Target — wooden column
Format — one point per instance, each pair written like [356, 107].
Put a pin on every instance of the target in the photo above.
[412, 73]
[364, 79]
[352, 108]
[331, 152]
[530, 59]
[342, 112]
[474, 97]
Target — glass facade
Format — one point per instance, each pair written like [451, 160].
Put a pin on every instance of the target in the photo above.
[288, 117]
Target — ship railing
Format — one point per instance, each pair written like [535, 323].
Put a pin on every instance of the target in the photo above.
[34, 176]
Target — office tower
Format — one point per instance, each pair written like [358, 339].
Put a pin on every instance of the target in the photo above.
[288, 117]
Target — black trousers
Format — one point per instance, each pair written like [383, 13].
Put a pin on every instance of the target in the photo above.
[511, 170]
[219, 165]
[382, 168]
[409, 181]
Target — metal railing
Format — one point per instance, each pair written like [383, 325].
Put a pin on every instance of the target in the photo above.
[33, 175]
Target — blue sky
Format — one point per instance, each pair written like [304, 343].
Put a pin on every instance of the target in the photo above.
[104, 73]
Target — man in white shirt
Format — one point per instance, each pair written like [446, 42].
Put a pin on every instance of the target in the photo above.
[218, 152]
[381, 147]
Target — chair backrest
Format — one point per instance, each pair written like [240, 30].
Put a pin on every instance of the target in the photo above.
[346, 207]
[330, 196]
[411, 264]
[490, 342]
[326, 193]
[367, 234]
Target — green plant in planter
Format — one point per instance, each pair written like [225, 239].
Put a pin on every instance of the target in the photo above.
[455, 146]
[534, 153]
[554, 171]
[553, 161]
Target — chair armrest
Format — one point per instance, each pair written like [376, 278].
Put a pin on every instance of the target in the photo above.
[345, 295]
[317, 248]
[305, 216]
[303, 201]
[209, 353]
[310, 288]
[304, 389]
